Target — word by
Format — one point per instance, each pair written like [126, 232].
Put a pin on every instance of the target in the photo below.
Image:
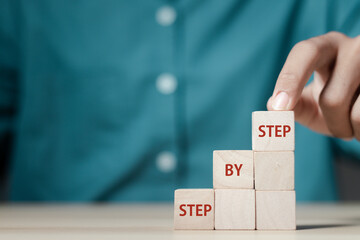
[229, 169]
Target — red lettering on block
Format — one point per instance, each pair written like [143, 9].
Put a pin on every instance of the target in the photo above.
[269, 127]
[262, 131]
[191, 206]
[207, 209]
[277, 130]
[287, 129]
[182, 209]
[228, 170]
[198, 209]
[238, 168]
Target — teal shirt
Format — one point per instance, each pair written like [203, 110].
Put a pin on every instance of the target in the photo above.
[78, 93]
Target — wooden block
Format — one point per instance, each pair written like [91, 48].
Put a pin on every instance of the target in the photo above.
[273, 131]
[233, 169]
[234, 209]
[274, 170]
[275, 210]
[194, 209]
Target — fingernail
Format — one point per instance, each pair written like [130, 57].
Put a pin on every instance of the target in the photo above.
[281, 101]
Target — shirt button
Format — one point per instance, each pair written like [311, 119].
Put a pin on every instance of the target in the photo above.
[166, 162]
[166, 83]
[166, 15]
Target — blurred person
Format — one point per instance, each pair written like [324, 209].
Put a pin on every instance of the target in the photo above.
[126, 100]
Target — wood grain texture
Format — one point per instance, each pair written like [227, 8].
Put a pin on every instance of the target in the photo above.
[274, 170]
[193, 197]
[234, 209]
[273, 143]
[275, 210]
[245, 179]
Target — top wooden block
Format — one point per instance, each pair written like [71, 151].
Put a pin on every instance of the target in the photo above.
[273, 131]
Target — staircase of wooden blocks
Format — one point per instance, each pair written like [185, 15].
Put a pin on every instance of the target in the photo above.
[252, 189]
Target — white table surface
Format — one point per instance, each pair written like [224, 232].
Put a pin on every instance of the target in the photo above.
[155, 221]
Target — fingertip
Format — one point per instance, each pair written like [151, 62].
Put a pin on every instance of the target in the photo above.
[281, 101]
[269, 104]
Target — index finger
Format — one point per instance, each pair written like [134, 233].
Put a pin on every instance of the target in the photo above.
[305, 58]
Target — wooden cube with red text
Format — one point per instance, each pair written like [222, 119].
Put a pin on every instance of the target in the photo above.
[233, 169]
[194, 209]
[273, 131]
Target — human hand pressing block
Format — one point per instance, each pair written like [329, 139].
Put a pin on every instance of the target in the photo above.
[330, 104]
[252, 189]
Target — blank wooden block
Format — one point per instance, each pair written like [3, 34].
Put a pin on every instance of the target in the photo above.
[233, 169]
[273, 131]
[274, 170]
[275, 210]
[194, 209]
[234, 209]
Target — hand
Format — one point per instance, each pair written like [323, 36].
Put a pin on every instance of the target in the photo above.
[330, 104]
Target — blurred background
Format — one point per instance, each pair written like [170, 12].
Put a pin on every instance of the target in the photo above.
[348, 170]
[126, 100]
